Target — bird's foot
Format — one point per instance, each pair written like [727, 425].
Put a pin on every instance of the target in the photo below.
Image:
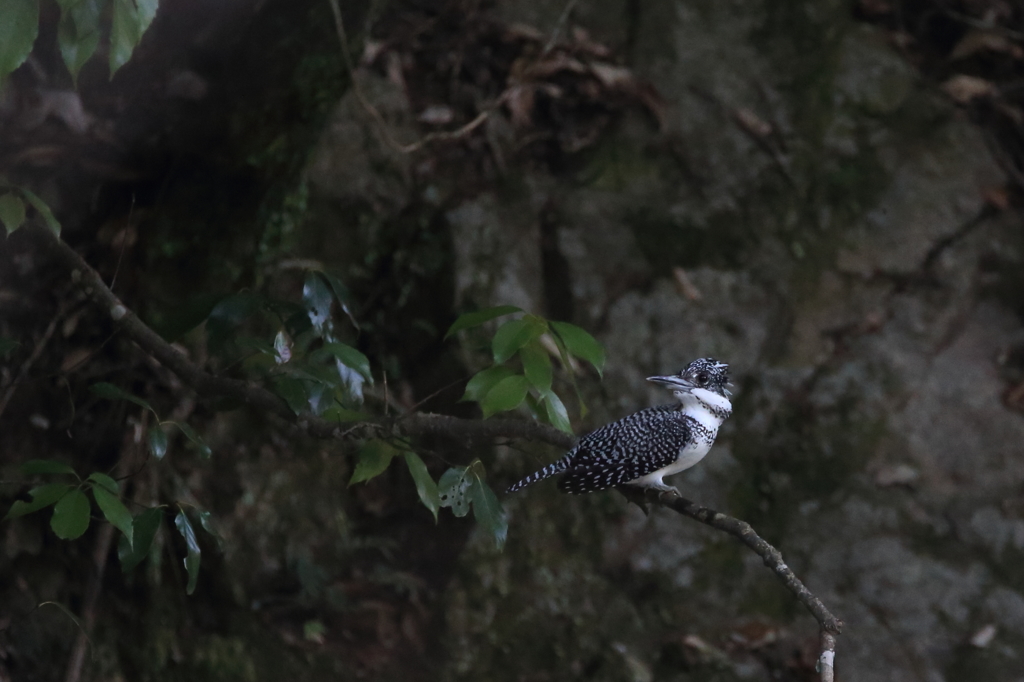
[662, 488]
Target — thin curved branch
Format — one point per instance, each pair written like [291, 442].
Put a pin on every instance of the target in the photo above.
[422, 424]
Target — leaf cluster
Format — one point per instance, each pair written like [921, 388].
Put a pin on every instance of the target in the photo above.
[72, 514]
[533, 340]
[78, 33]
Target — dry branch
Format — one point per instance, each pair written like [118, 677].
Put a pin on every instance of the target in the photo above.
[422, 424]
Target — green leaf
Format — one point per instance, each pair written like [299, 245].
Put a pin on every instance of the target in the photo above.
[507, 394]
[475, 319]
[566, 362]
[206, 521]
[515, 334]
[557, 414]
[451, 490]
[191, 434]
[71, 515]
[144, 527]
[156, 441]
[42, 496]
[374, 457]
[125, 33]
[317, 297]
[19, 25]
[6, 346]
[342, 295]
[184, 527]
[484, 381]
[294, 393]
[536, 365]
[45, 466]
[351, 358]
[112, 392]
[147, 12]
[114, 511]
[230, 312]
[78, 33]
[12, 210]
[487, 510]
[425, 486]
[40, 206]
[581, 344]
[106, 482]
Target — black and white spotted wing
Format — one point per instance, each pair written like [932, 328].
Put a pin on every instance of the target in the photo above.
[619, 452]
[627, 449]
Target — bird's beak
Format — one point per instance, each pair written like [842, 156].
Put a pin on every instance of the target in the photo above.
[673, 382]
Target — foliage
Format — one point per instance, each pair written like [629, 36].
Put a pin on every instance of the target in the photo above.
[296, 349]
[78, 33]
[13, 211]
[534, 340]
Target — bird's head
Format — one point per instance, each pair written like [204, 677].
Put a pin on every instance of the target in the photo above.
[703, 374]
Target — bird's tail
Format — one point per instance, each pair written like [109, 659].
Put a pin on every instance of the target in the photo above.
[555, 467]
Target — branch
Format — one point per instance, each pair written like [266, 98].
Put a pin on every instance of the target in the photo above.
[423, 424]
[830, 625]
[210, 386]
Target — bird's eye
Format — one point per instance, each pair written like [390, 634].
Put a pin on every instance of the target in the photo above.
[702, 378]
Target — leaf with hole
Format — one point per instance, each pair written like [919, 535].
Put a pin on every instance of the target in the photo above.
[42, 496]
[477, 318]
[581, 344]
[194, 554]
[487, 510]
[156, 441]
[18, 31]
[144, 527]
[114, 511]
[45, 466]
[515, 334]
[452, 489]
[426, 488]
[70, 515]
[536, 365]
[12, 211]
[483, 381]
[506, 395]
[374, 457]
[112, 392]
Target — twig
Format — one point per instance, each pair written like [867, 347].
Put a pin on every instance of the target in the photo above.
[550, 45]
[27, 365]
[209, 386]
[339, 25]
[104, 538]
[830, 625]
[422, 424]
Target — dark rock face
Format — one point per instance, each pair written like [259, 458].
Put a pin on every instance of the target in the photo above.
[815, 214]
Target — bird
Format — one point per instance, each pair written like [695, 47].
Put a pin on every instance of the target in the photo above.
[642, 449]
